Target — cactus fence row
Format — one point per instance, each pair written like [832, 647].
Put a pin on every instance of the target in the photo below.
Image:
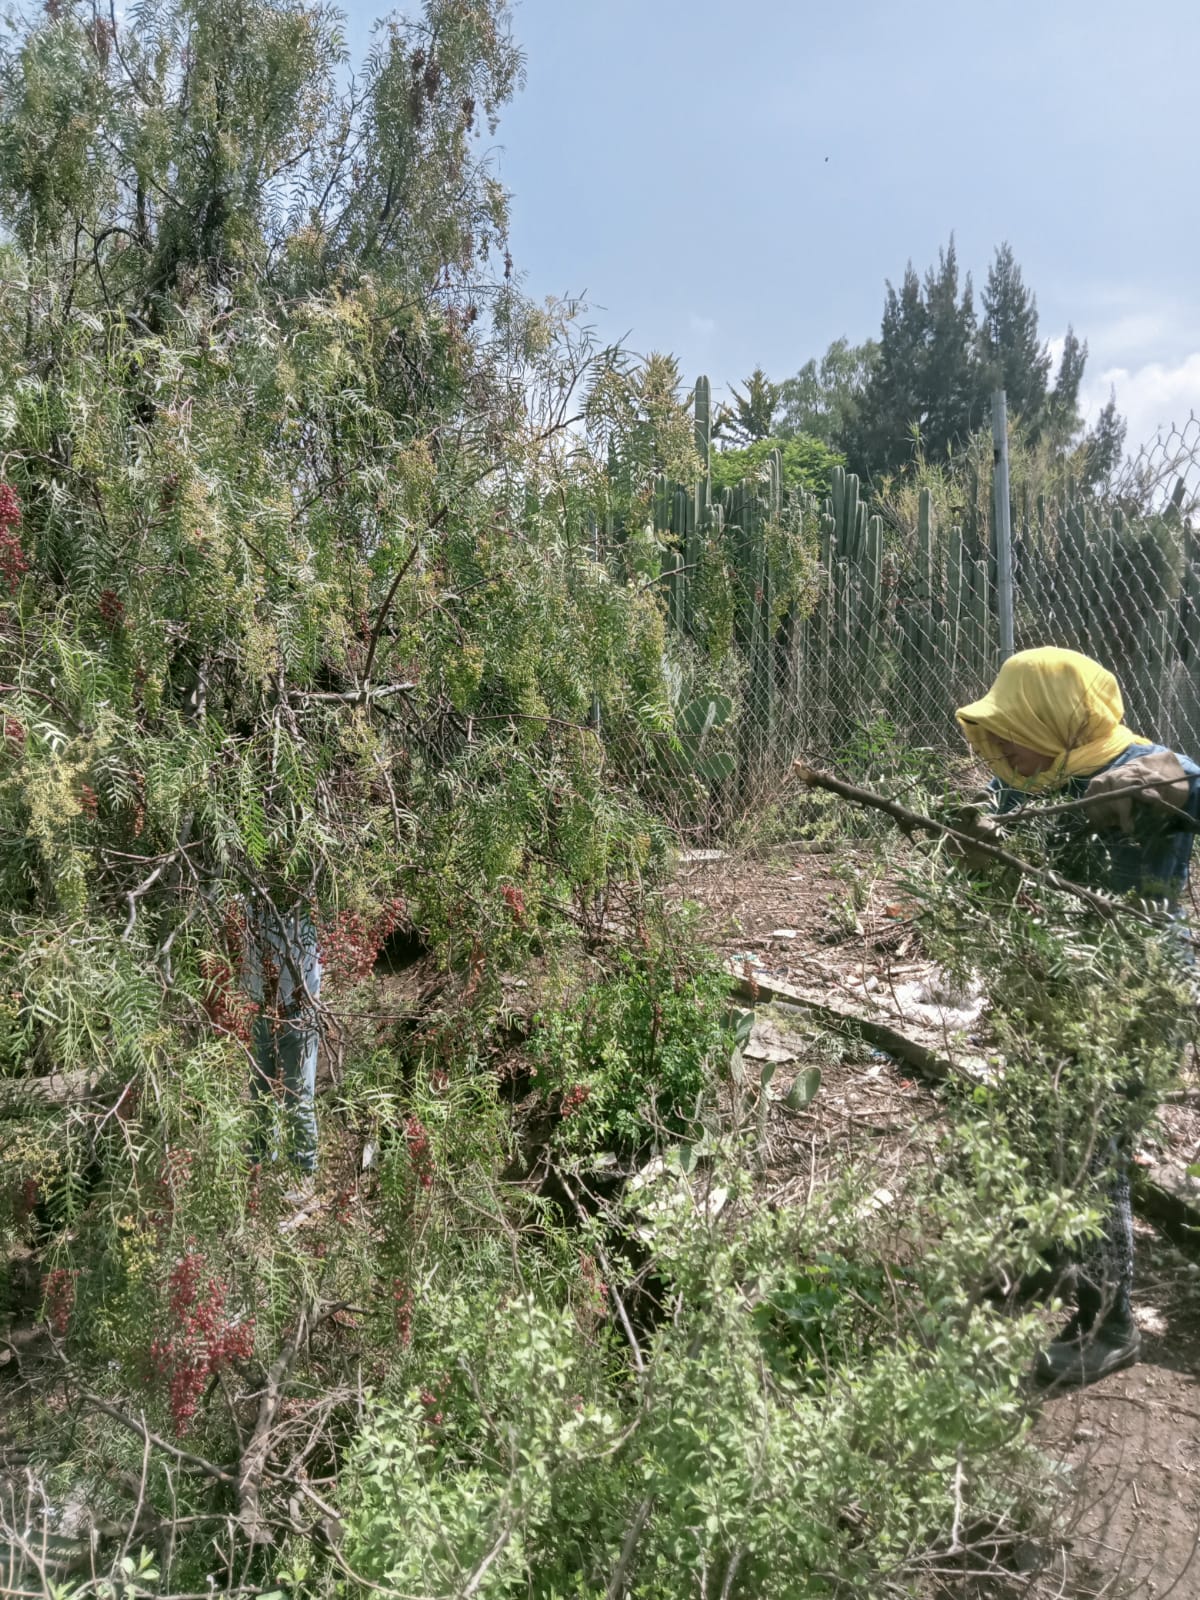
[806, 627]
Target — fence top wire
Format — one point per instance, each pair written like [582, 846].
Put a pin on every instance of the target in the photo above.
[1153, 474]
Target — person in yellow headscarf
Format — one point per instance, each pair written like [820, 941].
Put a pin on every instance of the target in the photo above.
[1054, 722]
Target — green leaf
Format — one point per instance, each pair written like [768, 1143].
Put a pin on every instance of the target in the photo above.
[742, 1023]
[716, 768]
[804, 1090]
[699, 717]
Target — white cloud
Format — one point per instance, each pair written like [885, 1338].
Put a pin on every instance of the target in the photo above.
[1138, 333]
[1152, 396]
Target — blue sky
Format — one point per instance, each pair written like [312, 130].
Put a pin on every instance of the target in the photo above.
[734, 181]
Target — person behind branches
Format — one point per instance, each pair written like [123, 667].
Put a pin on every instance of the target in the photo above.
[1053, 723]
[283, 976]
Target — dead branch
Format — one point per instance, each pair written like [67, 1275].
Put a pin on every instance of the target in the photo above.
[925, 1062]
[377, 630]
[252, 1468]
[135, 894]
[471, 1587]
[254, 1457]
[55, 1089]
[1060, 808]
[351, 697]
[635, 1349]
[616, 1584]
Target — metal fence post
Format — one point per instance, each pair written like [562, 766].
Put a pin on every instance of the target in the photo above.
[1002, 505]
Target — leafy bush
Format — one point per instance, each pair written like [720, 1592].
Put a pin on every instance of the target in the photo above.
[807, 463]
[701, 1463]
[630, 1060]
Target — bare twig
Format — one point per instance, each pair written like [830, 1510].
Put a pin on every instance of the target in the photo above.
[377, 630]
[254, 1456]
[134, 895]
[616, 1584]
[352, 697]
[46, 699]
[471, 1587]
[635, 1348]
[1062, 807]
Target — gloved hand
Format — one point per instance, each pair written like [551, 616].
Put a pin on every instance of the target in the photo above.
[1166, 792]
[977, 820]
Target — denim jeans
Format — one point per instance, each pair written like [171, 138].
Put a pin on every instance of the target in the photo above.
[1104, 1279]
[283, 974]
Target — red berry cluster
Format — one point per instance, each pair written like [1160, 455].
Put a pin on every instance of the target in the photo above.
[112, 609]
[89, 801]
[233, 928]
[14, 563]
[58, 1292]
[14, 733]
[202, 1341]
[575, 1098]
[350, 941]
[229, 1007]
[402, 1310]
[434, 1398]
[515, 901]
[419, 1152]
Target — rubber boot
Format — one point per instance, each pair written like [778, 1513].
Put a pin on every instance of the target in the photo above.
[1082, 1355]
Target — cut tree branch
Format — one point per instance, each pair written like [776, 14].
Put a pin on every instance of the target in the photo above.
[135, 1425]
[352, 697]
[1185, 823]
[910, 822]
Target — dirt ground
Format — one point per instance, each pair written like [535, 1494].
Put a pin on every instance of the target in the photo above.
[1131, 1444]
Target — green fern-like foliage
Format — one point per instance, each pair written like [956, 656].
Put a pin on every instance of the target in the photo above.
[299, 608]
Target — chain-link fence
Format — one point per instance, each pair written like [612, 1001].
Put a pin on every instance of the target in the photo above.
[798, 626]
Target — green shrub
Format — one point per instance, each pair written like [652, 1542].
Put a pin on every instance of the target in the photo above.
[629, 1061]
[715, 1459]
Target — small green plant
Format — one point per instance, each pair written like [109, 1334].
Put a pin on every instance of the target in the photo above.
[630, 1061]
[879, 753]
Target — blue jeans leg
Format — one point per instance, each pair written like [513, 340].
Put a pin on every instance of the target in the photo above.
[284, 971]
[285, 1060]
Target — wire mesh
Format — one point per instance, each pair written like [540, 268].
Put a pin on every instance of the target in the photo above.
[805, 628]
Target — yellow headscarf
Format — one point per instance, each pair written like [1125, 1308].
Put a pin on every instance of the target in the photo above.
[1057, 702]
